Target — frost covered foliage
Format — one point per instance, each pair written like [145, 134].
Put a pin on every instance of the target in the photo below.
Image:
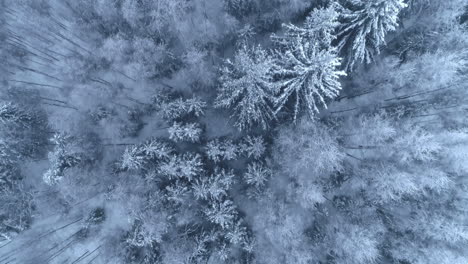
[215, 186]
[17, 208]
[364, 27]
[253, 146]
[18, 144]
[183, 166]
[318, 28]
[257, 177]
[135, 157]
[185, 132]
[17, 205]
[64, 156]
[306, 70]
[223, 149]
[180, 108]
[233, 131]
[218, 150]
[245, 87]
[307, 155]
[24, 125]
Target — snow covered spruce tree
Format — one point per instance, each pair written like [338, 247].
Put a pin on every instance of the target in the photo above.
[190, 132]
[319, 28]
[138, 156]
[256, 177]
[65, 155]
[222, 213]
[16, 203]
[222, 150]
[179, 107]
[306, 70]
[12, 113]
[187, 165]
[363, 28]
[214, 187]
[25, 125]
[253, 147]
[16, 210]
[307, 154]
[245, 87]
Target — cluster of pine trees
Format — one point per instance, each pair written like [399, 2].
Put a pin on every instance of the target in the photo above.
[233, 131]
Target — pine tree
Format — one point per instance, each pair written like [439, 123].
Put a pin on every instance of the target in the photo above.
[318, 28]
[246, 89]
[161, 98]
[222, 213]
[374, 129]
[132, 159]
[186, 166]
[12, 114]
[137, 156]
[448, 229]
[253, 147]
[24, 125]
[178, 108]
[364, 27]
[9, 171]
[176, 193]
[139, 236]
[306, 67]
[307, 154]
[16, 211]
[223, 252]
[218, 150]
[356, 244]
[308, 148]
[185, 132]
[215, 186]
[417, 145]
[257, 175]
[64, 156]
[156, 149]
[389, 184]
[240, 8]
[237, 234]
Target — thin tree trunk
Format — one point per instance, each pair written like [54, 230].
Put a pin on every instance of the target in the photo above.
[6, 244]
[55, 100]
[56, 245]
[26, 45]
[62, 227]
[123, 74]
[96, 249]
[360, 147]
[119, 144]
[72, 42]
[349, 155]
[82, 256]
[401, 97]
[136, 101]
[60, 251]
[342, 111]
[94, 258]
[38, 72]
[85, 200]
[30, 52]
[354, 95]
[122, 105]
[63, 106]
[11, 261]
